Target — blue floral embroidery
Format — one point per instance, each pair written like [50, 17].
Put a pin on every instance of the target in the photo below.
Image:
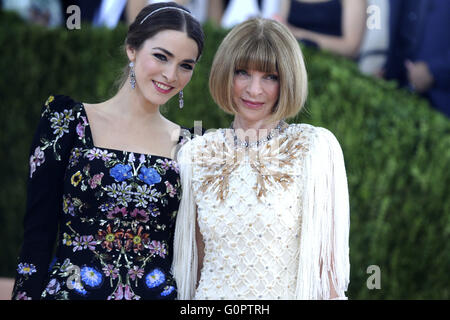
[91, 277]
[113, 202]
[149, 176]
[78, 287]
[121, 172]
[167, 290]
[155, 278]
[26, 269]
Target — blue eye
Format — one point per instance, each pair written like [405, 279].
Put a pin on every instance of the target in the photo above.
[273, 77]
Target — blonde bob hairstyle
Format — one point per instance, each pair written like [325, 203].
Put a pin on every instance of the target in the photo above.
[267, 46]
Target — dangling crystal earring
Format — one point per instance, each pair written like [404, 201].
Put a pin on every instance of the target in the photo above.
[132, 75]
[180, 99]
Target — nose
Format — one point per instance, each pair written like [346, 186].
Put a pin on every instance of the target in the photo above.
[254, 87]
[170, 73]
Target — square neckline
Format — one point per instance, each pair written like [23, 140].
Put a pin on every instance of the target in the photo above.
[92, 144]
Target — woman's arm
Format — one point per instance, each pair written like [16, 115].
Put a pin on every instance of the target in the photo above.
[353, 28]
[48, 160]
[324, 264]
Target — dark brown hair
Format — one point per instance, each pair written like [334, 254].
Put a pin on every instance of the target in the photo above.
[146, 25]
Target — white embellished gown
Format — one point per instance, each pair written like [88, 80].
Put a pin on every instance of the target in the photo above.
[274, 218]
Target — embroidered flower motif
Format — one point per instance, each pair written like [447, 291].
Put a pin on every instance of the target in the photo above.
[60, 122]
[117, 213]
[136, 272]
[154, 210]
[67, 239]
[123, 293]
[49, 100]
[68, 206]
[36, 160]
[110, 239]
[167, 290]
[142, 194]
[136, 241]
[121, 172]
[155, 278]
[106, 206]
[67, 116]
[158, 248]
[140, 215]
[154, 195]
[96, 180]
[91, 277]
[170, 189]
[74, 157]
[165, 164]
[26, 269]
[80, 130]
[78, 287]
[111, 271]
[53, 286]
[84, 242]
[94, 153]
[76, 178]
[122, 193]
[149, 175]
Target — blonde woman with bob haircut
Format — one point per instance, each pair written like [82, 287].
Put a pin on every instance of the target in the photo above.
[265, 210]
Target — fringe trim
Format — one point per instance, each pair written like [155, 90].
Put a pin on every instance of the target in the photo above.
[324, 250]
[185, 260]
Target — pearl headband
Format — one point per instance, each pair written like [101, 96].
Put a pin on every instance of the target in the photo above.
[165, 8]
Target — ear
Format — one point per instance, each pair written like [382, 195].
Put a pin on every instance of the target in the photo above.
[131, 53]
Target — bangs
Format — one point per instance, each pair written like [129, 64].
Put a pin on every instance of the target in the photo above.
[256, 54]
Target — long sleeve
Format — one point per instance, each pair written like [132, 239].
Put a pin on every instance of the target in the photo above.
[440, 68]
[185, 264]
[324, 241]
[49, 151]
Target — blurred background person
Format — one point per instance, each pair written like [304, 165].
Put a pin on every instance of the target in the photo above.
[46, 13]
[419, 49]
[104, 13]
[198, 8]
[235, 12]
[373, 50]
[334, 25]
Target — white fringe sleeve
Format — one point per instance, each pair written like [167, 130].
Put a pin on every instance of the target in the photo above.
[184, 266]
[324, 240]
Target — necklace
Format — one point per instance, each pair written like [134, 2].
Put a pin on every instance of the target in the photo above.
[273, 133]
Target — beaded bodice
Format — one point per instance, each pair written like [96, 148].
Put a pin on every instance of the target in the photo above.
[266, 214]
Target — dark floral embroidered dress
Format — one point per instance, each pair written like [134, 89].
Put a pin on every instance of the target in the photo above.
[112, 212]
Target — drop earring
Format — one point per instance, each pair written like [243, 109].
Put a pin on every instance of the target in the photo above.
[180, 99]
[132, 75]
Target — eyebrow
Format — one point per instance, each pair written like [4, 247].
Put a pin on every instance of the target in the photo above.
[170, 54]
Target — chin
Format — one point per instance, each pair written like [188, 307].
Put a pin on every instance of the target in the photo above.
[254, 116]
[156, 99]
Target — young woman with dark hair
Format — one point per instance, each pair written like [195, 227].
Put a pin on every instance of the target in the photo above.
[103, 180]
